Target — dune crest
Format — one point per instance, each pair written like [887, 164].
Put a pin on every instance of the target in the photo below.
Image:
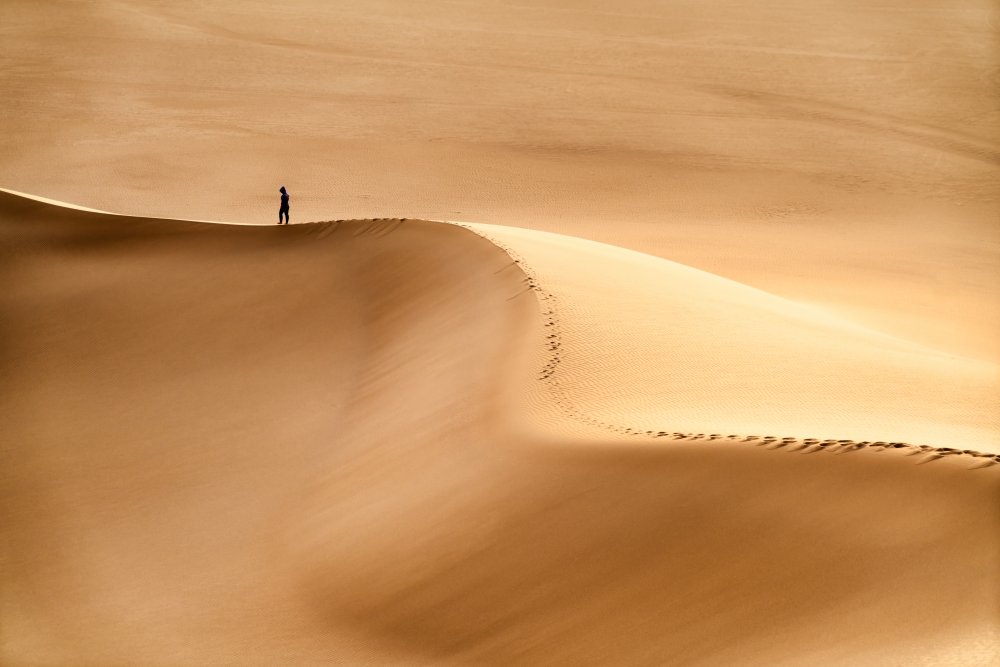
[383, 441]
[696, 345]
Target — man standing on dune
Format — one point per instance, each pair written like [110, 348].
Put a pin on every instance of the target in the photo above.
[283, 211]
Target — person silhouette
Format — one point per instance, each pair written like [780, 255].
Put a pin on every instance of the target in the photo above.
[283, 211]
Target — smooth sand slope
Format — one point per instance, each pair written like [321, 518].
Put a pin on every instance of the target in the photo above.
[770, 440]
[644, 344]
[387, 442]
[836, 152]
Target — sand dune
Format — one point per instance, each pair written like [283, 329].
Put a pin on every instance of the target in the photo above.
[404, 442]
[834, 152]
[703, 370]
[702, 354]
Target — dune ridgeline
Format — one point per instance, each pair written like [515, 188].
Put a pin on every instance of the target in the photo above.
[410, 442]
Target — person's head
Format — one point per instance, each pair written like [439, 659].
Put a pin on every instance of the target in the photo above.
[282, 190]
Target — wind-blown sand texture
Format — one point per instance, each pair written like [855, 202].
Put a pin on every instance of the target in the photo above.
[704, 369]
[450, 449]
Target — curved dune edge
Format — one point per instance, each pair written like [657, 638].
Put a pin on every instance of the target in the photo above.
[548, 303]
[86, 209]
[324, 458]
[549, 306]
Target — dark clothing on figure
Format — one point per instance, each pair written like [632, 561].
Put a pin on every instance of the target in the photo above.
[283, 211]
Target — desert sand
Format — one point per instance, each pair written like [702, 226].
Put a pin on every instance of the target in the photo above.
[645, 334]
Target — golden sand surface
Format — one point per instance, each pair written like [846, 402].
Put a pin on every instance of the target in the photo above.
[653, 333]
